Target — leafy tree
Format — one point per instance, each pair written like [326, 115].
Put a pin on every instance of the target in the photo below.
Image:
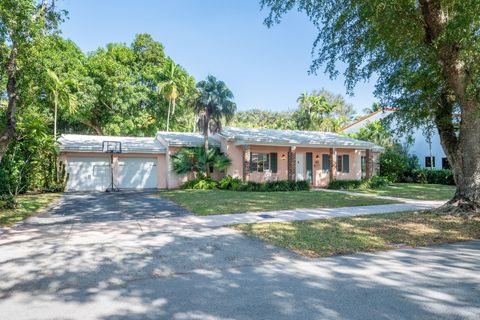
[322, 110]
[169, 87]
[425, 54]
[23, 25]
[395, 163]
[258, 118]
[195, 160]
[61, 94]
[373, 108]
[375, 132]
[214, 105]
[125, 89]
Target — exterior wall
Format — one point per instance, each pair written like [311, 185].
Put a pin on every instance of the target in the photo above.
[235, 153]
[161, 162]
[282, 164]
[421, 148]
[320, 177]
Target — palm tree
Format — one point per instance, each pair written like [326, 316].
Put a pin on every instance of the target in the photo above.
[169, 88]
[196, 161]
[61, 94]
[304, 100]
[214, 104]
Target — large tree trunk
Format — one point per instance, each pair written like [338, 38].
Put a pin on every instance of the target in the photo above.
[10, 131]
[93, 126]
[462, 147]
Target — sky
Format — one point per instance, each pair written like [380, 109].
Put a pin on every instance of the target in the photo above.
[265, 68]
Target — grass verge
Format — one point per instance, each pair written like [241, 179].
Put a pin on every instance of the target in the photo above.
[329, 237]
[28, 205]
[210, 202]
[415, 191]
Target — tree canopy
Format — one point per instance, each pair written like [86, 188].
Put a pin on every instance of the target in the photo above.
[424, 55]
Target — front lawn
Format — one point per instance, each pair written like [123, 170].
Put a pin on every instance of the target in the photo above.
[209, 202]
[415, 191]
[27, 205]
[328, 237]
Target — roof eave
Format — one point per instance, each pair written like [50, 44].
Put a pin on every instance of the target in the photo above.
[301, 145]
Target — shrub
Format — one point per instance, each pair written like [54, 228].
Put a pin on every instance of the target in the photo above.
[7, 201]
[395, 163]
[229, 183]
[373, 183]
[235, 184]
[201, 183]
[377, 182]
[345, 184]
[429, 176]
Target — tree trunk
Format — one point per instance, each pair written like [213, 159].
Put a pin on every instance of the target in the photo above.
[55, 102]
[95, 127]
[462, 147]
[168, 114]
[10, 131]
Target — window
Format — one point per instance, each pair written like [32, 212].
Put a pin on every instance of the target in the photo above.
[364, 164]
[445, 164]
[343, 163]
[325, 162]
[259, 162]
[429, 162]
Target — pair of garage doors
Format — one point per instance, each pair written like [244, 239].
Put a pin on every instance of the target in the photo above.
[94, 173]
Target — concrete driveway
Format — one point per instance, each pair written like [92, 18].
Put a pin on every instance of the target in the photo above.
[121, 256]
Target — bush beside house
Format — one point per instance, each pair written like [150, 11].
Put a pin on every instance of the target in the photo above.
[235, 184]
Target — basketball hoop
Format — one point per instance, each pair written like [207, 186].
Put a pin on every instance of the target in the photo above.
[112, 147]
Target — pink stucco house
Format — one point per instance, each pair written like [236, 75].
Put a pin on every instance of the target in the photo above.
[257, 155]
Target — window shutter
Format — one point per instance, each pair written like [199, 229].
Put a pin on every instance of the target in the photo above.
[346, 163]
[309, 161]
[252, 169]
[325, 162]
[273, 162]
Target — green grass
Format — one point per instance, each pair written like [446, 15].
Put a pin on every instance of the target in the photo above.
[415, 191]
[209, 202]
[28, 205]
[321, 238]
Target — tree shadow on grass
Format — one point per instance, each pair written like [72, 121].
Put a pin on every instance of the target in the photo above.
[153, 269]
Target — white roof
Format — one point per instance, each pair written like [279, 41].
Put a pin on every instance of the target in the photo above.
[88, 143]
[244, 136]
[184, 139]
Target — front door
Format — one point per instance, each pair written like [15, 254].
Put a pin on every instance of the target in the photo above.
[300, 167]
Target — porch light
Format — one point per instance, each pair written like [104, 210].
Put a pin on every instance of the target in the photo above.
[283, 157]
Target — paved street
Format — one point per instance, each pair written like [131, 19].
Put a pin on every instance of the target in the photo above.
[135, 256]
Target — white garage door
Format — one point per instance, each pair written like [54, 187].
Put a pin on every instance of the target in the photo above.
[137, 173]
[88, 173]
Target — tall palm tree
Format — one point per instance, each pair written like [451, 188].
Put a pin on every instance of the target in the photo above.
[213, 105]
[61, 94]
[169, 88]
[304, 100]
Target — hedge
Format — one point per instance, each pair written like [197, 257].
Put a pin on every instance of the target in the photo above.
[444, 176]
[373, 183]
[235, 184]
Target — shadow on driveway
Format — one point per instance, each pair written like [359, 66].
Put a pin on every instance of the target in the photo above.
[110, 264]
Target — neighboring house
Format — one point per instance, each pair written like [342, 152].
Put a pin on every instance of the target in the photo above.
[427, 149]
[257, 155]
